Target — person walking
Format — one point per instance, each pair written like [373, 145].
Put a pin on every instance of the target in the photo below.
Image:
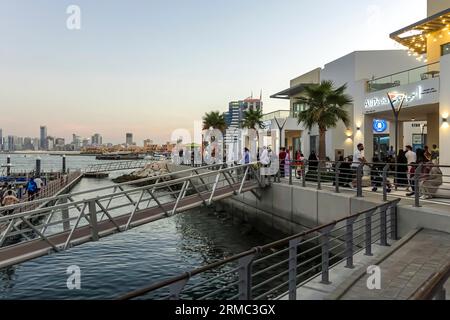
[431, 181]
[358, 159]
[420, 159]
[31, 189]
[287, 162]
[39, 185]
[264, 158]
[401, 174]
[313, 161]
[435, 154]
[411, 158]
[282, 159]
[9, 200]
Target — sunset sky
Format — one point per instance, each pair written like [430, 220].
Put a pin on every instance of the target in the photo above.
[150, 67]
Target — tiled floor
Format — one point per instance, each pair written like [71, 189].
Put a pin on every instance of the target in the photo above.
[407, 269]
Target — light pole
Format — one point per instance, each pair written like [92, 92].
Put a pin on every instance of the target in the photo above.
[280, 128]
[422, 137]
[396, 110]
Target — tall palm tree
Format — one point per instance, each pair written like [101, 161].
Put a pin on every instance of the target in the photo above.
[325, 108]
[252, 119]
[214, 119]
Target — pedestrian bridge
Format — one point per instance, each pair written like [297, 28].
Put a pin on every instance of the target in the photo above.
[76, 218]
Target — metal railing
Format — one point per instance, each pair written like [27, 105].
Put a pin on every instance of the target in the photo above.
[405, 77]
[280, 114]
[385, 179]
[86, 216]
[269, 271]
[434, 288]
[117, 166]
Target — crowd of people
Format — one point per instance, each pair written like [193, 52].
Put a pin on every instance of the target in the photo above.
[9, 195]
[402, 168]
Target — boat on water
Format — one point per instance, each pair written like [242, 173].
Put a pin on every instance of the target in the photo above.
[120, 156]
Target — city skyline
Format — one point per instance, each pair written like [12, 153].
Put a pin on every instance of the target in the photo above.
[172, 65]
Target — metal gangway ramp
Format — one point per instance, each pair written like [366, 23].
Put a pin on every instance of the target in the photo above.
[81, 217]
[117, 166]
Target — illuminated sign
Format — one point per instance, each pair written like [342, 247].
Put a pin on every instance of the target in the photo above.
[379, 125]
[416, 94]
[382, 101]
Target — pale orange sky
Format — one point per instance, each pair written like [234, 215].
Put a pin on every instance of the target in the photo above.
[149, 67]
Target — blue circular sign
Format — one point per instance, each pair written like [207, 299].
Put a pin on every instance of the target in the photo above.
[379, 125]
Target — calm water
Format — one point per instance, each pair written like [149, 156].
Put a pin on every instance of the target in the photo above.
[48, 162]
[126, 261]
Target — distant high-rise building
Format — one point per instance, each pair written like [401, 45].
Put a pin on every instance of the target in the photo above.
[148, 143]
[28, 143]
[96, 140]
[60, 142]
[235, 115]
[76, 141]
[43, 138]
[129, 139]
[1, 140]
[86, 142]
[50, 143]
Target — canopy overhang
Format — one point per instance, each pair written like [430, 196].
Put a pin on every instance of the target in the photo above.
[291, 92]
[416, 35]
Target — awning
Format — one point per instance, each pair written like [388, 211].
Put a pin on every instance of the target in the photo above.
[289, 93]
[416, 35]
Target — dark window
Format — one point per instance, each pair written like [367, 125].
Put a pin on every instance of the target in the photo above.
[445, 49]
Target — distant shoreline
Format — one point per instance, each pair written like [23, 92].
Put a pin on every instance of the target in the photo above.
[50, 153]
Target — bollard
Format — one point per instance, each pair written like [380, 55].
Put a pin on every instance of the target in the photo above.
[64, 164]
[359, 178]
[8, 166]
[385, 182]
[38, 167]
[290, 175]
[337, 172]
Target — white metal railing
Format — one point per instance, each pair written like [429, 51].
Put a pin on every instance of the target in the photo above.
[117, 166]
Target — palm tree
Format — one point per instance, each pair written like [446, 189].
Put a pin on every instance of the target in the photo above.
[253, 120]
[214, 119]
[325, 108]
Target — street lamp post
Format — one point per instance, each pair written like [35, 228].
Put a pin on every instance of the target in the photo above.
[396, 111]
[280, 128]
[422, 136]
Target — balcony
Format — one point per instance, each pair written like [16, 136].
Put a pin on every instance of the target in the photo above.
[280, 114]
[404, 78]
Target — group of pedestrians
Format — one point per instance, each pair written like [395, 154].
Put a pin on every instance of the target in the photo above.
[9, 196]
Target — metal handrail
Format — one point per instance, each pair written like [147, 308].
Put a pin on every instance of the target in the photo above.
[64, 215]
[248, 254]
[326, 172]
[434, 286]
[404, 71]
[118, 185]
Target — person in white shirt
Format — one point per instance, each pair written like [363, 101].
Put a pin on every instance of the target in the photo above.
[411, 156]
[358, 157]
[39, 185]
[264, 158]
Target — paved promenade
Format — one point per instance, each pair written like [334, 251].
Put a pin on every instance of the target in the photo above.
[406, 269]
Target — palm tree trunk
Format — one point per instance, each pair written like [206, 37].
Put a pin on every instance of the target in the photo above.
[322, 144]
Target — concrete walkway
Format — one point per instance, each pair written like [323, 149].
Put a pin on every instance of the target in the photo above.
[406, 270]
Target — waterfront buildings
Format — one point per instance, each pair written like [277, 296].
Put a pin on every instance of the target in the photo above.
[421, 76]
[234, 117]
[129, 139]
[96, 139]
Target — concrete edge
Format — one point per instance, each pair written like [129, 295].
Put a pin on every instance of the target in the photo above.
[358, 274]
